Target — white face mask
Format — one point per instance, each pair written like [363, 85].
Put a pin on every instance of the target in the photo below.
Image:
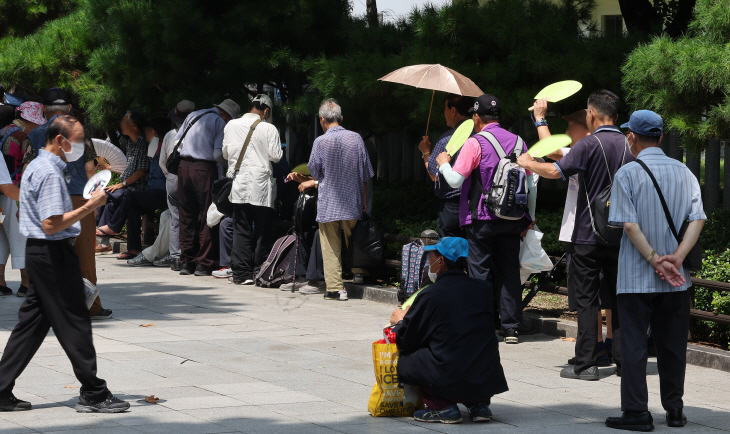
[152, 147]
[433, 275]
[77, 151]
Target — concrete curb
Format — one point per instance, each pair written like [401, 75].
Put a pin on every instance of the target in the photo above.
[696, 355]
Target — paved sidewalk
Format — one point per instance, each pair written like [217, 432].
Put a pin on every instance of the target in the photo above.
[226, 358]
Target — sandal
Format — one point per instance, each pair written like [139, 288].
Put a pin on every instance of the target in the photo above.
[126, 256]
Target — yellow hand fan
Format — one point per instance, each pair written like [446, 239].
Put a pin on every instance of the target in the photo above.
[559, 91]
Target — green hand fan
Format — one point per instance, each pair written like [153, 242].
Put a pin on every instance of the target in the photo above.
[302, 168]
[460, 136]
[559, 91]
[549, 145]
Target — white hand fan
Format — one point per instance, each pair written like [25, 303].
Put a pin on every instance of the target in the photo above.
[116, 158]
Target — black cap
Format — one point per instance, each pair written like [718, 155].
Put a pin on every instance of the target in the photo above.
[487, 105]
[56, 96]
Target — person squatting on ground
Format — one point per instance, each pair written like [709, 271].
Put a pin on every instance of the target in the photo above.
[652, 282]
[56, 293]
[446, 339]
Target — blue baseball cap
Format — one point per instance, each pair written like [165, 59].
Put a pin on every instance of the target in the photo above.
[645, 123]
[452, 248]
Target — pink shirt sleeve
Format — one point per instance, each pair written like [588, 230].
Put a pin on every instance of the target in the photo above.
[469, 158]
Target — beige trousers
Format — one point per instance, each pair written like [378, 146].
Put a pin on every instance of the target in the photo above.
[329, 235]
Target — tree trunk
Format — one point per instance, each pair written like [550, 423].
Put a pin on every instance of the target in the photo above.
[726, 188]
[639, 16]
[712, 175]
[372, 13]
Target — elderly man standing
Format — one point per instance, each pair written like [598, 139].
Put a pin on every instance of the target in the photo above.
[201, 148]
[57, 102]
[252, 143]
[341, 167]
[648, 198]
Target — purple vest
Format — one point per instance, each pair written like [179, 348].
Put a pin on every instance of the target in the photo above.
[487, 164]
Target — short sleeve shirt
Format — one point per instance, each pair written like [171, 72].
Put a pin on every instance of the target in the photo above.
[441, 188]
[634, 199]
[44, 194]
[340, 162]
[204, 136]
[595, 172]
[137, 159]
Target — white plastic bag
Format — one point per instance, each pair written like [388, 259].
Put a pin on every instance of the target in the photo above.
[91, 293]
[533, 258]
[214, 216]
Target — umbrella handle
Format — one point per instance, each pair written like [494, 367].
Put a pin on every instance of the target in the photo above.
[429, 112]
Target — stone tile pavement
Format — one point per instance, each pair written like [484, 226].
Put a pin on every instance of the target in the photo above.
[225, 359]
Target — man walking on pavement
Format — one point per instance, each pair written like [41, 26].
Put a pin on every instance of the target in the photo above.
[456, 112]
[652, 281]
[56, 294]
[57, 102]
[340, 165]
[596, 159]
[250, 144]
[201, 149]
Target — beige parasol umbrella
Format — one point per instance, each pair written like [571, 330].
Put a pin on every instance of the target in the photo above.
[435, 77]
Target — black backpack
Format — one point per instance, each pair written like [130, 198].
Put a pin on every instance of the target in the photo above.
[606, 234]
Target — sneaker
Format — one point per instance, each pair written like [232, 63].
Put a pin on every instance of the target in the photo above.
[176, 265]
[588, 374]
[480, 413]
[293, 286]
[103, 314]
[313, 287]
[164, 262]
[109, 405]
[12, 403]
[187, 269]
[139, 261]
[235, 281]
[336, 295]
[447, 415]
[223, 273]
[4, 290]
[22, 291]
[511, 336]
[202, 270]
[359, 278]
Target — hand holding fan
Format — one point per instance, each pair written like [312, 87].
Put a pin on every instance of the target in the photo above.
[549, 145]
[101, 179]
[559, 91]
[461, 135]
[114, 158]
[302, 169]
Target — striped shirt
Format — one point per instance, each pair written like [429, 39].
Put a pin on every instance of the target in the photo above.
[44, 194]
[441, 188]
[635, 200]
[340, 162]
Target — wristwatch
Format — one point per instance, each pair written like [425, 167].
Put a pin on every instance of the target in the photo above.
[541, 122]
[124, 183]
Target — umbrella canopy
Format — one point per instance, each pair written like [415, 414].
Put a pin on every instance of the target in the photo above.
[434, 77]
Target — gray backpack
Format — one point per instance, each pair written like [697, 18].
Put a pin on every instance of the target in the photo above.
[507, 197]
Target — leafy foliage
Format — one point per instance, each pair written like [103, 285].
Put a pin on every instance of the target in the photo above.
[21, 17]
[687, 81]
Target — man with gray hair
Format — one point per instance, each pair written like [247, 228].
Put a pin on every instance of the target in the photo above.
[340, 167]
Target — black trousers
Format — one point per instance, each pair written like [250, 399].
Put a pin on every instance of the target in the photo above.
[310, 264]
[252, 238]
[142, 202]
[590, 267]
[668, 315]
[198, 242]
[448, 218]
[494, 256]
[55, 299]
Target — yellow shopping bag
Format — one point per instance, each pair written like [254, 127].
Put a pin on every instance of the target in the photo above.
[387, 398]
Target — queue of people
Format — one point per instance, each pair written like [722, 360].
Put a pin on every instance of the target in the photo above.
[446, 336]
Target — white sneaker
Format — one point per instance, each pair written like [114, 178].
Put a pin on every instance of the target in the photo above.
[223, 273]
[294, 285]
[245, 282]
[359, 279]
[343, 295]
[313, 287]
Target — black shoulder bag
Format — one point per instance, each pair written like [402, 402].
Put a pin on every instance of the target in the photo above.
[173, 161]
[693, 261]
[222, 187]
[606, 233]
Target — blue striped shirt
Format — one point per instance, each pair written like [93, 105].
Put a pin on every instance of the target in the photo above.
[44, 194]
[441, 188]
[340, 162]
[635, 200]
